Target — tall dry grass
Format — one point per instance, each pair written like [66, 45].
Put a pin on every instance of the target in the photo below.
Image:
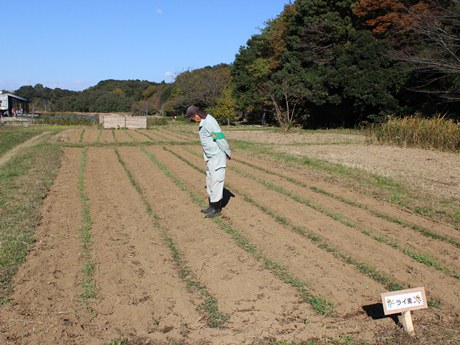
[413, 131]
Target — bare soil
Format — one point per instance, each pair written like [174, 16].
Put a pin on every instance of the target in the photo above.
[142, 296]
[436, 173]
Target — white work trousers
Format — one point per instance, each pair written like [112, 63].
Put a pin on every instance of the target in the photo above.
[215, 177]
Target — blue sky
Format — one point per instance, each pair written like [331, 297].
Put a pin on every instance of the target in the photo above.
[74, 44]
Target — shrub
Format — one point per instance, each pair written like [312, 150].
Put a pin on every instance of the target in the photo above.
[157, 121]
[68, 120]
[414, 131]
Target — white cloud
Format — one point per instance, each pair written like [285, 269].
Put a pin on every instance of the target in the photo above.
[170, 75]
[159, 11]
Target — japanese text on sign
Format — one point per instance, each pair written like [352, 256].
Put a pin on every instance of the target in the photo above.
[403, 300]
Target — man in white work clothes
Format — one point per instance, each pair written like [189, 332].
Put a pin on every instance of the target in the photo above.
[215, 152]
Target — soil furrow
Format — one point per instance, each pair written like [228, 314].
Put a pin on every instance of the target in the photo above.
[358, 201]
[106, 137]
[172, 134]
[143, 295]
[358, 218]
[121, 136]
[162, 272]
[353, 242]
[138, 136]
[144, 136]
[90, 136]
[303, 176]
[150, 134]
[241, 286]
[75, 135]
[299, 254]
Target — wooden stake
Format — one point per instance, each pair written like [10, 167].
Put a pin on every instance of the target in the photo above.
[406, 320]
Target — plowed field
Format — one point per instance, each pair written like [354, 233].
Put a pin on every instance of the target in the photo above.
[292, 258]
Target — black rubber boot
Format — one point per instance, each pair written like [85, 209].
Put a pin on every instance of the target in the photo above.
[215, 210]
[209, 209]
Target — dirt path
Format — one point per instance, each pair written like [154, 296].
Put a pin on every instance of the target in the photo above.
[11, 153]
[288, 247]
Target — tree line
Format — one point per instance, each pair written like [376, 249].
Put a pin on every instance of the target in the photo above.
[318, 64]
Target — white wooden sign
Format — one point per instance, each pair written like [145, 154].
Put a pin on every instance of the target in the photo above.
[403, 300]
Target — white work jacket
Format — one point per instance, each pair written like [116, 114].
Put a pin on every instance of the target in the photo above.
[215, 147]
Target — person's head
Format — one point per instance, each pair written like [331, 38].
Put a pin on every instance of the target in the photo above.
[194, 113]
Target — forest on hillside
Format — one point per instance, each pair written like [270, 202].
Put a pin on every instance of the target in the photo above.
[317, 64]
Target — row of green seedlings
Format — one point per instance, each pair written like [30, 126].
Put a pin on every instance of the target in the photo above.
[414, 131]
[341, 340]
[415, 227]
[163, 139]
[209, 307]
[320, 241]
[393, 188]
[386, 184]
[98, 139]
[82, 133]
[419, 229]
[89, 288]
[170, 137]
[395, 196]
[395, 193]
[319, 304]
[420, 257]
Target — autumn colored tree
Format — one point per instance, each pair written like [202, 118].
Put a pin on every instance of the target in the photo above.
[386, 15]
[426, 36]
[347, 72]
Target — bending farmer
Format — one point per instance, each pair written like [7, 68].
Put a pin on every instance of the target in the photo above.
[215, 152]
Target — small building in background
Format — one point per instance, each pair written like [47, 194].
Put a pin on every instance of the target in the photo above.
[12, 105]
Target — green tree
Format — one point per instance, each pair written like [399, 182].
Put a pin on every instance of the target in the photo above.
[261, 81]
[346, 70]
[202, 87]
[224, 109]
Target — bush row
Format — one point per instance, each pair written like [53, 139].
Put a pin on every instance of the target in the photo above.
[414, 131]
